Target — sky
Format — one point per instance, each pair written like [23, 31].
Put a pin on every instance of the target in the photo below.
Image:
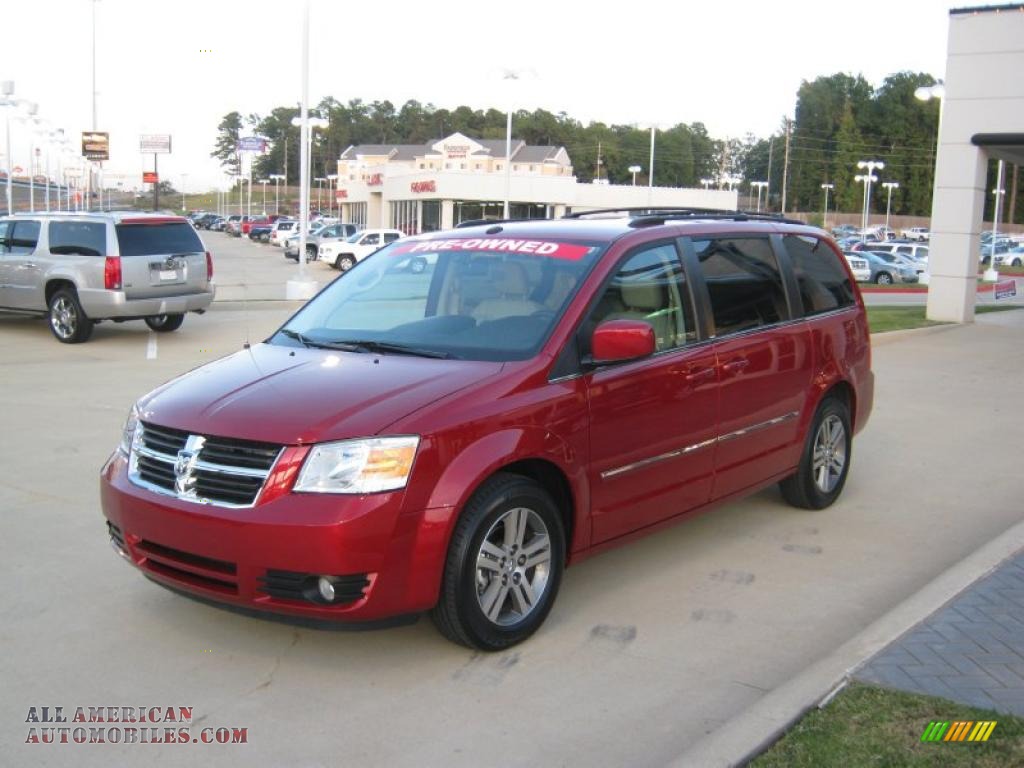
[178, 67]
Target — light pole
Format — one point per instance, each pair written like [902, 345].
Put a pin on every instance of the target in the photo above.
[319, 188]
[889, 186]
[867, 179]
[824, 215]
[707, 182]
[634, 169]
[8, 102]
[264, 183]
[759, 185]
[332, 185]
[183, 177]
[277, 177]
[650, 176]
[991, 273]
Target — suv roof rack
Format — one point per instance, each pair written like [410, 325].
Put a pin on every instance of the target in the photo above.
[649, 216]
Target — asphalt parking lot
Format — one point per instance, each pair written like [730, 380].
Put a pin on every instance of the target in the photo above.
[648, 648]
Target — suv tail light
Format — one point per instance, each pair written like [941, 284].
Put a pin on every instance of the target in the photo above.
[112, 273]
[209, 267]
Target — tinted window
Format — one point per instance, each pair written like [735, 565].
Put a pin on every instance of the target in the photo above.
[4, 228]
[390, 237]
[650, 286]
[24, 236]
[157, 239]
[744, 283]
[373, 239]
[88, 238]
[823, 283]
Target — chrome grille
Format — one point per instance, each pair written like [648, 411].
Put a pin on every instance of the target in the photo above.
[205, 469]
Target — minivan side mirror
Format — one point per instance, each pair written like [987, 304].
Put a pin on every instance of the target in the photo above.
[616, 341]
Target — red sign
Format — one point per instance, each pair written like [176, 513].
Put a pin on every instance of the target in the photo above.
[376, 180]
[568, 251]
[1006, 289]
[423, 186]
[341, 194]
[149, 177]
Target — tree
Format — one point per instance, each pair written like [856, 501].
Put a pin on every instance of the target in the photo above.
[226, 146]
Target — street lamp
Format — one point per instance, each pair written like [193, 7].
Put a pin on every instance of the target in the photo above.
[824, 215]
[890, 186]
[319, 188]
[264, 182]
[634, 169]
[183, 209]
[759, 185]
[991, 273]
[707, 182]
[332, 185]
[277, 177]
[867, 179]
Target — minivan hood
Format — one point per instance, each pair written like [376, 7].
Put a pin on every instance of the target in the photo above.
[293, 395]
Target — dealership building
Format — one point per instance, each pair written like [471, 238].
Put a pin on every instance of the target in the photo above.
[428, 187]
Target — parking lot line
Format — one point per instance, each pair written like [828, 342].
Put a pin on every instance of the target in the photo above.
[151, 346]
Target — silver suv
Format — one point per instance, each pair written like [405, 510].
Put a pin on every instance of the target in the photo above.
[79, 269]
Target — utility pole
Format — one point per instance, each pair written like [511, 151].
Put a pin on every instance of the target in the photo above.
[1013, 193]
[785, 168]
[723, 162]
[768, 178]
[597, 168]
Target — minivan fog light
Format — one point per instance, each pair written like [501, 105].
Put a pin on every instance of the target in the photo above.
[326, 587]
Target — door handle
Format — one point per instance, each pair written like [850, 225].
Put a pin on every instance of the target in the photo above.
[695, 375]
[29, 265]
[735, 366]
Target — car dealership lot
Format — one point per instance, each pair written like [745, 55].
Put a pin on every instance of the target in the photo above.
[648, 648]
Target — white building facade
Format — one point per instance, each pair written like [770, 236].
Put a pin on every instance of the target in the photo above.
[424, 188]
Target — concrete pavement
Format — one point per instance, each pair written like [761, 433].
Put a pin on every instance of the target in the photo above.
[649, 649]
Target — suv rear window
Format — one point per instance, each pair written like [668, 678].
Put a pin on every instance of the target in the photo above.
[87, 238]
[157, 239]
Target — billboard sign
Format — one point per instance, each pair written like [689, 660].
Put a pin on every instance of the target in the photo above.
[155, 143]
[150, 177]
[252, 144]
[95, 145]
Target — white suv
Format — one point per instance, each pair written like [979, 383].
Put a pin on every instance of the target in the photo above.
[344, 254]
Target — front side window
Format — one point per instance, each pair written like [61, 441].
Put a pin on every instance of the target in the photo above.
[650, 286]
[86, 238]
[823, 282]
[373, 239]
[476, 299]
[744, 283]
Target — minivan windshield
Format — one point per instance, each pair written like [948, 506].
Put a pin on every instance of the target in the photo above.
[469, 298]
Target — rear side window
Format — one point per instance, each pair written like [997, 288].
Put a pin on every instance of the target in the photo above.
[390, 237]
[86, 238]
[744, 283]
[157, 239]
[823, 282]
[24, 236]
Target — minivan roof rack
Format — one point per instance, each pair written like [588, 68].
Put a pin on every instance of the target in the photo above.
[649, 216]
[485, 222]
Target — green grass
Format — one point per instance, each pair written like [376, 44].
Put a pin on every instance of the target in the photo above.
[869, 726]
[882, 319]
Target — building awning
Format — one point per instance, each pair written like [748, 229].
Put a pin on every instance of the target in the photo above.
[1002, 146]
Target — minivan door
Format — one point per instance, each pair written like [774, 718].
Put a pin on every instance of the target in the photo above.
[160, 257]
[764, 359]
[652, 421]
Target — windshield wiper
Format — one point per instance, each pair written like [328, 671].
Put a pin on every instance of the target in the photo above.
[302, 339]
[368, 345]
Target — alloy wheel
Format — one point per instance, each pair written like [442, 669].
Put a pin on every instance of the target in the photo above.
[513, 564]
[63, 318]
[829, 456]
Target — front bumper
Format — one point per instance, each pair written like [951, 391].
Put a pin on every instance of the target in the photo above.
[241, 557]
[103, 304]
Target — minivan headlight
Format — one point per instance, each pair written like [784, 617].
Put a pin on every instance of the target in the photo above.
[131, 426]
[358, 466]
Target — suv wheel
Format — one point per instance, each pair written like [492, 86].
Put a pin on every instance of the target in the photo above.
[825, 461]
[504, 565]
[344, 263]
[884, 278]
[165, 323]
[310, 253]
[67, 318]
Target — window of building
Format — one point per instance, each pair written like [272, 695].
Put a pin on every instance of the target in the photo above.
[744, 283]
[405, 216]
[422, 166]
[462, 166]
[478, 166]
[447, 166]
[531, 169]
[823, 282]
[497, 167]
[651, 287]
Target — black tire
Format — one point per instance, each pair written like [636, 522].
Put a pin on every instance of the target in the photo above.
[458, 613]
[883, 278]
[165, 323]
[1015, 263]
[68, 321]
[803, 489]
[344, 262]
[310, 252]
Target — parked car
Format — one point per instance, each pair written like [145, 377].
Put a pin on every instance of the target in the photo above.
[922, 234]
[453, 439]
[915, 253]
[217, 224]
[887, 268]
[1012, 258]
[345, 254]
[998, 245]
[233, 224]
[282, 229]
[859, 267]
[324, 234]
[844, 230]
[259, 230]
[81, 269]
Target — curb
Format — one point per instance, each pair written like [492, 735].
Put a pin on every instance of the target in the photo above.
[751, 732]
[888, 337]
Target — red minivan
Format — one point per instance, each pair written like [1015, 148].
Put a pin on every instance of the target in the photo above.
[453, 421]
